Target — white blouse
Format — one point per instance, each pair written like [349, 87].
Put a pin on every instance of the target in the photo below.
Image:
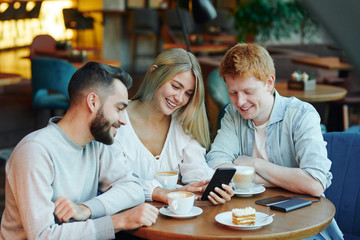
[180, 153]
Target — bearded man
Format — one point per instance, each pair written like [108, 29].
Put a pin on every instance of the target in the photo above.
[55, 174]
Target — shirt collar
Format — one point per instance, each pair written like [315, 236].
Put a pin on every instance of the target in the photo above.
[277, 113]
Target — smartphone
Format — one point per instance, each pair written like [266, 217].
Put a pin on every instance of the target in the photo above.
[221, 176]
[272, 200]
[290, 205]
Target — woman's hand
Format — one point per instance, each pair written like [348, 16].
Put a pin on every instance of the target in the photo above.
[223, 195]
[160, 194]
[197, 188]
[220, 197]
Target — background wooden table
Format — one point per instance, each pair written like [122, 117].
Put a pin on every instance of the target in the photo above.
[324, 62]
[297, 224]
[66, 55]
[229, 39]
[111, 62]
[204, 48]
[322, 93]
[333, 63]
[9, 78]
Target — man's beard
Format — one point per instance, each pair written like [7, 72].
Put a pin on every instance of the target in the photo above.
[100, 128]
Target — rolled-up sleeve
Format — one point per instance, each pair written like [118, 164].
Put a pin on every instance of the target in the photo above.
[225, 147]
[310, 148]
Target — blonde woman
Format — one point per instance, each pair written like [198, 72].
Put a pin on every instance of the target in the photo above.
[167, 127]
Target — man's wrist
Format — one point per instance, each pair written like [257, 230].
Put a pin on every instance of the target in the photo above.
[117, 221]
[254, 162]
[86, 211]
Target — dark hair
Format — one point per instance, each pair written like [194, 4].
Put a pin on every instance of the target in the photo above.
[97, 77]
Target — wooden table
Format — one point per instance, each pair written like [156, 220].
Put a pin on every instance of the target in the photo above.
[111, 62]
[332, 63]
[66, 55]
[322, 93]
[297, 224]
[52, 52]
[324, 62]
[9, 78]
[204, 48]
[229, 39]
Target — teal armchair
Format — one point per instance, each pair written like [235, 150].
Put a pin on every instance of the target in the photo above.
[49, 81]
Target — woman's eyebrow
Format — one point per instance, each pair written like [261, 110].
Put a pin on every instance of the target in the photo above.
[178, 82]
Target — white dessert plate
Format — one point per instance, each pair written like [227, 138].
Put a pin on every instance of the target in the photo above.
[255, 189]
[225, 218]
[195, 211]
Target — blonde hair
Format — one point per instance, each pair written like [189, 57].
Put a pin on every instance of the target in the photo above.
[192, 116]
[246, 59]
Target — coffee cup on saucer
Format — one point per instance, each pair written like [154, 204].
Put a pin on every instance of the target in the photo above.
[244, 177]
[181, 202]
[168, 179]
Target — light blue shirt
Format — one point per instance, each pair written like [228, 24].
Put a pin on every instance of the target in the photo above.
[294, 139]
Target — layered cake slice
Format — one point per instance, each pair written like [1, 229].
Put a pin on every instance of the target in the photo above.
[243, 216]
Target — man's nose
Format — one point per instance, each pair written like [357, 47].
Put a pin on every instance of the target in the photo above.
[241, 99]
[122, 118]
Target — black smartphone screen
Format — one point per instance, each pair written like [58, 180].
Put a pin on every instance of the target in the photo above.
[221, 176]
[272, 200]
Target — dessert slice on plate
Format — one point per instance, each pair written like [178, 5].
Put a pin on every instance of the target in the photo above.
[243, 216]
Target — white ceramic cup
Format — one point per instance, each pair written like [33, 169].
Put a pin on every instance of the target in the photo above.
[168, 179]
[181, 202]
[244, 177]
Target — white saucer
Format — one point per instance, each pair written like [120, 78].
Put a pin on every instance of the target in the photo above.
[225, 218]
[195, 211]
[255, 189]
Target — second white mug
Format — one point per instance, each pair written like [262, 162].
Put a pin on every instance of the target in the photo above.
[244, 177]
[168, 179]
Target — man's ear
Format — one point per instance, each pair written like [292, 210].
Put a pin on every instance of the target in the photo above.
[270, 82]
[93, 101]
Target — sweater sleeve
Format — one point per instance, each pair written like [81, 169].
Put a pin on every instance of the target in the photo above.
[29, 192]
[120, 186]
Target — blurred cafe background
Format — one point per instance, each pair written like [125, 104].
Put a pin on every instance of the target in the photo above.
[130, 33]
